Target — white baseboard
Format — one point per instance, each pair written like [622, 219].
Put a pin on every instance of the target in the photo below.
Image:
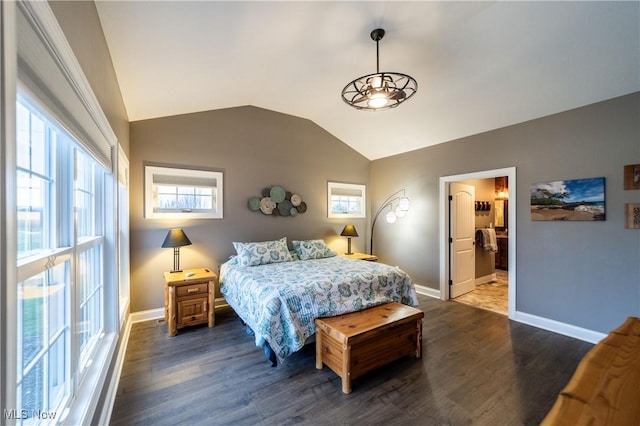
[536, 321]
[220, 302]
[427, 291]
[158, 313]
[150, 314]
[560, 327]
[486, 279]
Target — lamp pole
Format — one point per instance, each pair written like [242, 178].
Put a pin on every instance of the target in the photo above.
[386, 203]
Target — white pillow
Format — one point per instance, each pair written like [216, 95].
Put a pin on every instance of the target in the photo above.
[312, 249]
[261, 253]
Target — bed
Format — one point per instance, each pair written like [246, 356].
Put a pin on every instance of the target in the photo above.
[279, 298]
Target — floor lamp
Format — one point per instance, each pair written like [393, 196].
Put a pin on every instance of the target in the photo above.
[399, 211]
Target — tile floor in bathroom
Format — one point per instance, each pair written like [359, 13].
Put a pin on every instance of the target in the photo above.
[493, 295]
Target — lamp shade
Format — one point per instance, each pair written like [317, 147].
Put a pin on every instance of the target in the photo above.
[176, 238]
[391, 217]
[403, 204]
[349, 231]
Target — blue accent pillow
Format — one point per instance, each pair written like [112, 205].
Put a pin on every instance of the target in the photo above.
[312, 249]
[261, 253]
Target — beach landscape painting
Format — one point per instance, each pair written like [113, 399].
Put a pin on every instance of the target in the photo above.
[577, 199]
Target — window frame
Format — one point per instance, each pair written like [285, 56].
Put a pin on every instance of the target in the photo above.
[177, 173]
[339, 188]
[67, 245]
[75, 106]
[123, 235]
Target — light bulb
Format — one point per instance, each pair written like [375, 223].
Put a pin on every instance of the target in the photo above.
[391, 217]
[376, 82]
[377, 100]
[404, 204]
[400, 213]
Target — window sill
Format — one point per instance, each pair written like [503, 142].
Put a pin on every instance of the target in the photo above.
[82, 409]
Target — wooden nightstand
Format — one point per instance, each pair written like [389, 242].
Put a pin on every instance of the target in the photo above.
[188, 298]
[361, 256]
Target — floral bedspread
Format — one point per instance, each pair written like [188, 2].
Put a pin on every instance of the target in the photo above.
[280, 301]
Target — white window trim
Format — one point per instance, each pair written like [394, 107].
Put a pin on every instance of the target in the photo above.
[88, 123]
[8, 232]
[149, 172]
[123, 241]
[336, 187]
[82, 408]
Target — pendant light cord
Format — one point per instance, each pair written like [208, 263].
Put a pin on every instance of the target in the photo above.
[377, 56]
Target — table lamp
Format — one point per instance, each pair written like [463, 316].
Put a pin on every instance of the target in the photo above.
[349, 231]
[176, 238]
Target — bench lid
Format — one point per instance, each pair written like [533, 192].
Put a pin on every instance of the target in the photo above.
[360, 322]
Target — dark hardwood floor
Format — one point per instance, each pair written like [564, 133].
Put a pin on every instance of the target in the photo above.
[478, 368]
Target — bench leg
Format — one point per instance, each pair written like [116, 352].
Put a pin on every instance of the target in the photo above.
[318, 349]
[419, 338]
[346, 368]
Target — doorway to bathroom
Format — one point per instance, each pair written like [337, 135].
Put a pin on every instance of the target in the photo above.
[478, 239]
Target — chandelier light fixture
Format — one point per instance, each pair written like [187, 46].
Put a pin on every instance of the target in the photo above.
[382, 90]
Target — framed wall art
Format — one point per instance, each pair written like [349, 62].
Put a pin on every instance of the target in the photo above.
[568, 200]
[632, 176]
[632, 216]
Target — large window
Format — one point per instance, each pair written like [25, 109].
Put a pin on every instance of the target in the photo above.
[59, 267]
[60, 204]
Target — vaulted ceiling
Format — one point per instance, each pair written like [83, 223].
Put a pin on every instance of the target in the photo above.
[479, 65]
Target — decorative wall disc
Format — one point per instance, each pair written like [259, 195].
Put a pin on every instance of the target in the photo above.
[267, 205]
[276, 201]
[277, 194]
[285, 208]
[254, 204]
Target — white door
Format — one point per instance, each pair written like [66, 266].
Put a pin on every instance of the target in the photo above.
[462, 268]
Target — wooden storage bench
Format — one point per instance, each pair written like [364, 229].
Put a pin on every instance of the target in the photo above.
[604, 388]
[356, 343]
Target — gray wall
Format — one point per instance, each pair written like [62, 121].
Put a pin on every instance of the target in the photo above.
[582, 273]
[255, 148]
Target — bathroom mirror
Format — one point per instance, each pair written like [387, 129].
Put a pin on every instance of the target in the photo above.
[500, 208]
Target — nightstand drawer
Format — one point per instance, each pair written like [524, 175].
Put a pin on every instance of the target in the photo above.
[192, 290]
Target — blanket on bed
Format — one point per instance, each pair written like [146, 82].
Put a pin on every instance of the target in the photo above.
[280, 301]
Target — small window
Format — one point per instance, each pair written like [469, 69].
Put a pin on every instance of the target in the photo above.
[345, 200]
[172, 193]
